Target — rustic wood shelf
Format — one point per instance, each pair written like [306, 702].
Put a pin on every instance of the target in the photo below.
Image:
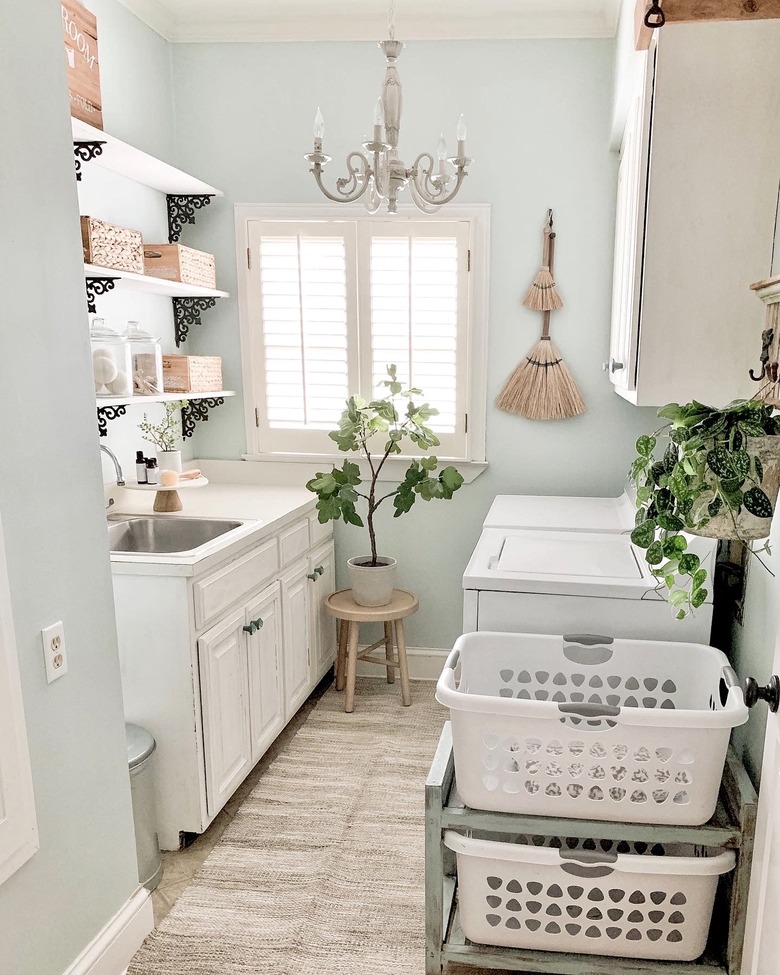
[732, 827]
[122, 158]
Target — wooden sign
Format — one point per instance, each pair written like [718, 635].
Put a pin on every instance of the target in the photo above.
[79, 28]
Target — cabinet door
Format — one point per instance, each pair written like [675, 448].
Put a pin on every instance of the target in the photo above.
[295, 613]
[630, 234]
[264, 657]
[323, 626]
[222, 657]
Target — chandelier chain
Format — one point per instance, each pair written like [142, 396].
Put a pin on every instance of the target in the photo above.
[391, 19]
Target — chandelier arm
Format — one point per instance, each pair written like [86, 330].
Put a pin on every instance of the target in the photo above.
[351, 187]
[420, 202]
[431, 188]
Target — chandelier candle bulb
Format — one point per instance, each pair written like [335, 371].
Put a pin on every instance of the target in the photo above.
[461, 134]
[441, 152]
[319, 130]
[379, 120]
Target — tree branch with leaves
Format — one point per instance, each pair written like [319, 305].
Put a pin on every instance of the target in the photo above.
[386, 423]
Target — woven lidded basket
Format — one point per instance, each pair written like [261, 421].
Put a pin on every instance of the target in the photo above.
[174, 262]
[107, 245]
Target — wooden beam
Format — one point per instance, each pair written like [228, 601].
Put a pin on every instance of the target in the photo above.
[701, 11]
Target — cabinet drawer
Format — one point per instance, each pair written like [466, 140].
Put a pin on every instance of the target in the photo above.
[294, 542]
[318, 532]
[224, 587]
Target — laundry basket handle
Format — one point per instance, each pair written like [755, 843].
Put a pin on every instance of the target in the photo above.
[588, 710]
[588, 863]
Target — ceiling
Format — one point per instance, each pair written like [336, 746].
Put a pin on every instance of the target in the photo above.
[363, 20]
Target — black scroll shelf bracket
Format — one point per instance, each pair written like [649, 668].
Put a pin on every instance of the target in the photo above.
[96, 287]
[181, 210]
[85, 151]
[186, 312]
[197, 409]
[106, 413]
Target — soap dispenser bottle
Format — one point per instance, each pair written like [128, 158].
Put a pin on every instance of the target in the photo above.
[140, 467]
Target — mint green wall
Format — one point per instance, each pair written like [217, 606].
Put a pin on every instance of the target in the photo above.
[539, 125]
[52, 508]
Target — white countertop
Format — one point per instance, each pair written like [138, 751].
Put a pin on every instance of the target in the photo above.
[262, 509]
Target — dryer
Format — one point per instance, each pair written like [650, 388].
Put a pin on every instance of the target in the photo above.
[536, 569]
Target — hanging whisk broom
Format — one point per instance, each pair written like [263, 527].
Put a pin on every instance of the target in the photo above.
[542, 388]
[543, 295]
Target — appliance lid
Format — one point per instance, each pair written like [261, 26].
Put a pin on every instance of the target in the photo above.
[584, 555]
[561, 513]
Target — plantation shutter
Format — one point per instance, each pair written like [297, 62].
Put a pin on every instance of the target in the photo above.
[333, 303]
[415, 311]
[306, 328]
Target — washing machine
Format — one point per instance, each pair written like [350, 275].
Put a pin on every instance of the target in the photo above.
[567, 565]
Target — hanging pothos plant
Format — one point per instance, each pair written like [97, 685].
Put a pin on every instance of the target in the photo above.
[708, 469]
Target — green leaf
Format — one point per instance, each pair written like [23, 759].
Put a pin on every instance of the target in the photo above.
[698, 578]
[643, 535]
[428, 463]
[670, 580]
[689, 563]
[672, 411]
[654, 554]
[719, 462]
[670, 458]
[757, 503]
[741, 463]
[451, 478]
[674, 545]
[698, 596]
[643, 494]
[759, 468]
[670, 523]
[677, 597]
[714, 507]
[645, 445]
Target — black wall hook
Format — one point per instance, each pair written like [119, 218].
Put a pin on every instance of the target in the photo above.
[655, 17]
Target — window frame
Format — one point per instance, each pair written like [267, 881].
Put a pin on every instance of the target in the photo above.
[478, 218]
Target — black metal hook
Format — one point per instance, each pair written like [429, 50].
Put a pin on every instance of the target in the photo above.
[655, 17]
[767, 337]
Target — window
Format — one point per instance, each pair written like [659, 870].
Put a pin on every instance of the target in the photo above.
[328, 302]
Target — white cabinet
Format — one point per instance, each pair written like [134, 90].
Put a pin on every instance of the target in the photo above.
[215, 663]
[222, 658]
[297, 657]
[695, 213]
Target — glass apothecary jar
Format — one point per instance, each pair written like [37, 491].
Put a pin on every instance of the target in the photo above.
[111, 365]
[146, 359]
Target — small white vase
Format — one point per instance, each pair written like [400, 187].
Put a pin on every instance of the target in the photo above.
[169, 460]
[372, 585]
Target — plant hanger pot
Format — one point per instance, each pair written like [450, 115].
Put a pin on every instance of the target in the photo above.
[744, 525]
[372, 585]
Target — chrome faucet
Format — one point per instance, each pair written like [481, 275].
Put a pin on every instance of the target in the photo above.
[120, 480]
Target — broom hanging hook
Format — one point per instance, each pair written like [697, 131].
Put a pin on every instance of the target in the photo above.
[655, 17]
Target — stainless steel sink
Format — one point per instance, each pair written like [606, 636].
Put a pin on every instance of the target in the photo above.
[165, 535]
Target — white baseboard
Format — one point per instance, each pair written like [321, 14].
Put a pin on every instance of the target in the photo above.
[112, 950]
[425, 663]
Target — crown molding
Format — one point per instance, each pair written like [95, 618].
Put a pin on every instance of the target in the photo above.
[575, 19]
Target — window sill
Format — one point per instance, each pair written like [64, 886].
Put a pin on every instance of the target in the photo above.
[393, 470]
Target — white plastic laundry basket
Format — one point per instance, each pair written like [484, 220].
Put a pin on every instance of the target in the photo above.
[590, 727]
[598, 901]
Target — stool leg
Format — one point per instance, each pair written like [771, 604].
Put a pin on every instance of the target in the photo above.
[400, 643]
[341, 654]
[389, 653]
[352, 651]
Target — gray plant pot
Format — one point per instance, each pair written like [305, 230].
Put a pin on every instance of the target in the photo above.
[372, 585]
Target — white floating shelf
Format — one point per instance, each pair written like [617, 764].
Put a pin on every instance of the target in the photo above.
[147, 282]
[160, 398]
[126, 160]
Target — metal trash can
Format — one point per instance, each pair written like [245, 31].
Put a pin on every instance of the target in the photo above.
[140, 748]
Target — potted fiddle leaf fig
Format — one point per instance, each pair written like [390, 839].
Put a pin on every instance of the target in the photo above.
[707, 471]
[377, 430]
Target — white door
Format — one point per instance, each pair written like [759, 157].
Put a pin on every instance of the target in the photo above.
[295, 614]
[762, 937]
[323, 637]
[266, 704]
[222, 656]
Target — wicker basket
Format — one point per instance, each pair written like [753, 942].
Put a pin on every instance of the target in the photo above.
[177, 263]
[192, 373]
[107, 245]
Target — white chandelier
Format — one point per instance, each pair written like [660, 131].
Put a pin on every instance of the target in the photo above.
[378, 175]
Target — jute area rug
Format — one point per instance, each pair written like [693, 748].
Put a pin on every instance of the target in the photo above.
[321, 871]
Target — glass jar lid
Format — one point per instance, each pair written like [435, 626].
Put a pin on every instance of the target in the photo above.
[99, 330]
[135, 333]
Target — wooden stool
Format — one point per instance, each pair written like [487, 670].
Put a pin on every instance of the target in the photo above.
[350, 615]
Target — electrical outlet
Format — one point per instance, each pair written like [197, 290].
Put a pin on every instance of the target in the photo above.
[54, 654]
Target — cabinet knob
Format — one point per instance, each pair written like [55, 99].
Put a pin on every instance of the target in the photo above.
[771, 693]
[612, 366]
[319, 570]
[249, 628]
[258, 623]
[315, 574]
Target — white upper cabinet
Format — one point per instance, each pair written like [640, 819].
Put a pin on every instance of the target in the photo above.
[697, 193]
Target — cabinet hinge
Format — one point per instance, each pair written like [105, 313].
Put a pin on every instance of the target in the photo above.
[257, 417]
[249, 258]
[468, 259]
[466, 424]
